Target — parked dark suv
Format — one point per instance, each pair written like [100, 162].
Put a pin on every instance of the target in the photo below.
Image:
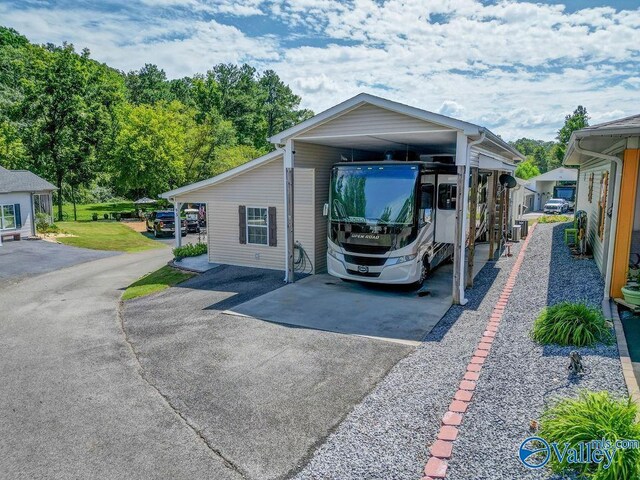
[162, 223]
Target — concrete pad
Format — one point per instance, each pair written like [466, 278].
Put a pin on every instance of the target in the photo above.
[196, 264]
[323, 302]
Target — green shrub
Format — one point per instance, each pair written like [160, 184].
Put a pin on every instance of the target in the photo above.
[594, 416]
[571, 324]
[189, 250]
[554, 218]
[94, 217]
[43, 224]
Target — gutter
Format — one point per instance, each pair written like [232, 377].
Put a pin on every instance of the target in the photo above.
[614, 220]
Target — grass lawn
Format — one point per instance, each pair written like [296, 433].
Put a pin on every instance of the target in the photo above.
[156, 282]
[105, 236]
[87, 210]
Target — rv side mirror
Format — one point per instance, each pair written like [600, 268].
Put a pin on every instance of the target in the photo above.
[325, 210]
[426, 197]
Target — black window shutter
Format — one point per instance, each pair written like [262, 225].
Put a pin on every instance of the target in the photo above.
[273, 228]
[242, 217]
[16, 210]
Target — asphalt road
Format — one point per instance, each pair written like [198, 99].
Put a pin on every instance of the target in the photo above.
[73, 403]
[26, 258]
[262, 394]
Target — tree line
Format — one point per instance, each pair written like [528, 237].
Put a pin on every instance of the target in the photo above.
[542, 156]
[96, 132]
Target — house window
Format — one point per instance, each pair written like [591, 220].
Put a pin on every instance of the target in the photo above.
[7, 217]
[257, 225]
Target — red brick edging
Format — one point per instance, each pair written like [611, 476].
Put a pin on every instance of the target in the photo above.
[441, 450]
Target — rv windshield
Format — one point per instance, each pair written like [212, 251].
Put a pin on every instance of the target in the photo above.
[372, 194]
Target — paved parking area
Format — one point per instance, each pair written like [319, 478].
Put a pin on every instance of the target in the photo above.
[327, 303]
[25, 258]
[263, 395]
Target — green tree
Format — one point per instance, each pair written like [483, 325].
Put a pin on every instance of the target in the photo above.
[577, 120]
[148, 85]
[68, 113]
[152, 148]
[279, 107]
[527, 170]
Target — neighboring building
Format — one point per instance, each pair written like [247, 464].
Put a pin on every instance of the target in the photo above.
[545, 183]
[22, 195]
[248, 206]
[522, 199]
[608, 158]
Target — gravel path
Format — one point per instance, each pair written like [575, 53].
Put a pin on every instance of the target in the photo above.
[387, 435]
[520, 376]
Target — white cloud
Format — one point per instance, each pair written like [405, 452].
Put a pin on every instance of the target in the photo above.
[515, 67]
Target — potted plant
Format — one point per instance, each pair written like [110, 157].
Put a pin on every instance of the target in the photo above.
[631, 291]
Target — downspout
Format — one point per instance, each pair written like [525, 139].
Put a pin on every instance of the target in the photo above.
[465, 214]
[614, 218]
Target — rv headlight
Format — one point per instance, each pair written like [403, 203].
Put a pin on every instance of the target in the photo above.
[333, 253]
[404, 259]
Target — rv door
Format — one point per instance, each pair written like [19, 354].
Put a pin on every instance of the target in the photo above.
[446, 196]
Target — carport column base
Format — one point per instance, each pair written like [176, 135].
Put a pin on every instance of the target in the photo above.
[177, 227]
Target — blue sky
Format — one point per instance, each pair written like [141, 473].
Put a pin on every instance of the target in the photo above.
[515, 67]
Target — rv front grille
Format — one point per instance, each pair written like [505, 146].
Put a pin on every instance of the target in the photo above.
[364, 274]
[372, 249]
[368, 261]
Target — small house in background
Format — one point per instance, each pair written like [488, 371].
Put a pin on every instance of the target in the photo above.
[23, 194]
[608, 158]
[557, 183]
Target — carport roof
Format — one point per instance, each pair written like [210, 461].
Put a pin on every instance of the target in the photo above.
[467, 128]
[22, 181]
[607, 137]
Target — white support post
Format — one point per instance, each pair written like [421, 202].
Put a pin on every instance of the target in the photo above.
[289, 153]
[177, 227]
[459, 257]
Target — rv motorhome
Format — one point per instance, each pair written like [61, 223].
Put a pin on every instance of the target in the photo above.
[393, 221]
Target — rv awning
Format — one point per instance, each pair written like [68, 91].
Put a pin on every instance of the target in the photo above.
[486, 162]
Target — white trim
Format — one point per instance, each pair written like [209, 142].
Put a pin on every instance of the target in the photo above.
[15, 224]
[246, 221]
[269, 157]
[377, 134]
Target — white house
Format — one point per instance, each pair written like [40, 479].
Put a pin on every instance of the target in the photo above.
[258, 214]
[544, 184]
[22, 195]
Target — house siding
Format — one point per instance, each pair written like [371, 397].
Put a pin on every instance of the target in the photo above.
[598, 169]
[320, 159]
[367, 120]
[262, 186]
[26, 214]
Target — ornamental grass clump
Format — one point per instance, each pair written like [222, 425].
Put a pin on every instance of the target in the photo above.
[575, 422]
[571, 324]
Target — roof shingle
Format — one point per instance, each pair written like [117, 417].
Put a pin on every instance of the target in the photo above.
[22, 181]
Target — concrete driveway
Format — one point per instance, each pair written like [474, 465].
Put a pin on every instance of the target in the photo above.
[263, 395]
[73, 403]
[26, 258]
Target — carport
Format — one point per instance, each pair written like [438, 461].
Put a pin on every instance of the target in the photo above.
[289, 187]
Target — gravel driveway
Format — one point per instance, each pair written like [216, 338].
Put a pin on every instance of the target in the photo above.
[520, 377]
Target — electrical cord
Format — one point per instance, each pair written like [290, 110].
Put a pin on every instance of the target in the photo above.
[300, 262]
